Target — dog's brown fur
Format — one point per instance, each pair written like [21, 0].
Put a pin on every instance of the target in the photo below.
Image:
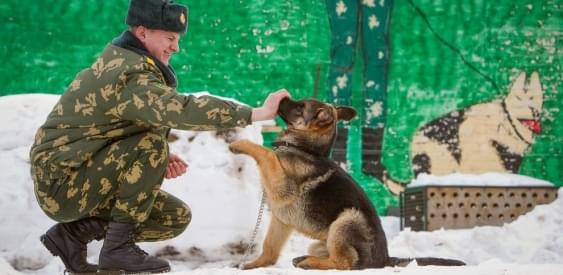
[310, 194]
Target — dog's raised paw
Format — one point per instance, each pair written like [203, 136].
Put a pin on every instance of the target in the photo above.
[237, 147]
[233, 149]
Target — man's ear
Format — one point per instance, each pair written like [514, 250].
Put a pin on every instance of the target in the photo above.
[345, 113]
[140, 32]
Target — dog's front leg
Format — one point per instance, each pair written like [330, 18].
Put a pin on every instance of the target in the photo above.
[277, 235]
[269, 165]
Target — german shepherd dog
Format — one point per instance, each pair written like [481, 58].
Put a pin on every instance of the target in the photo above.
[309, 193]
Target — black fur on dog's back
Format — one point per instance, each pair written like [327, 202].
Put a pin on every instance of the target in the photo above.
[338, 193]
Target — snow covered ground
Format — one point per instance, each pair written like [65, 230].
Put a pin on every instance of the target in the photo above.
[224, 193]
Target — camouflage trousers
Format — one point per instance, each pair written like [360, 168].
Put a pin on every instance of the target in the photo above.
[120, 183]
[360, 26]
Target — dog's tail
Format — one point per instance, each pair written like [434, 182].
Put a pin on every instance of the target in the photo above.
[374, 167]
[393, 261]
[394, 186]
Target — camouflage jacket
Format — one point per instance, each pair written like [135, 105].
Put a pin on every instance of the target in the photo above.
[123, 93]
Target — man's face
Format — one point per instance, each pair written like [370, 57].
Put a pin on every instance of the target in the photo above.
[161, 44]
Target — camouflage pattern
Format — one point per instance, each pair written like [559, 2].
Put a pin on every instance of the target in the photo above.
[103, 150]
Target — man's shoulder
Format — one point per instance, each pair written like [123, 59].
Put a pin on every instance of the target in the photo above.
[112, 52]
[131, 59]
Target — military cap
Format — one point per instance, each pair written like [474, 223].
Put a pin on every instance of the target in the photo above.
[158, 14]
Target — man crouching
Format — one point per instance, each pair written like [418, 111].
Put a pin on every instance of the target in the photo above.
[100, 158]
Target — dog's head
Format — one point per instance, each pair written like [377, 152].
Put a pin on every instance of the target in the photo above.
[524, 105]
[313, 121]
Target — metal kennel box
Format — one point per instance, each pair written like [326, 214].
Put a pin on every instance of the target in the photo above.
[428, 208]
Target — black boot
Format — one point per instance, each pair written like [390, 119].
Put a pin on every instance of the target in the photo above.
[340, 146]
[372, 142]
[120, 254]
[69, 240]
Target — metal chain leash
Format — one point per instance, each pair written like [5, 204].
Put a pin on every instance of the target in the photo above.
[255, 232]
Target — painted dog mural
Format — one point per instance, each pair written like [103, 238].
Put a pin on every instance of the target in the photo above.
[486, 137]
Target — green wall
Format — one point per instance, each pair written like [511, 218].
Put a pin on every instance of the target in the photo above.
[45, 44]
[499, 39]
[244, 49]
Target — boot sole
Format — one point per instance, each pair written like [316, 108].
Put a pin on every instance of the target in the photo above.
[124, 272]
[55, 251]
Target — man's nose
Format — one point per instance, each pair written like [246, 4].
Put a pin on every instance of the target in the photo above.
[175, 47]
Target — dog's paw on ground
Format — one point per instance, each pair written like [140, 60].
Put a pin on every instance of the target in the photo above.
[298, 260]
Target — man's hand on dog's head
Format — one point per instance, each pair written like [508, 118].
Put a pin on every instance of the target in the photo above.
[269, 109]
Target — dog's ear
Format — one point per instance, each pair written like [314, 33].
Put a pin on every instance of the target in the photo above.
[345, 113]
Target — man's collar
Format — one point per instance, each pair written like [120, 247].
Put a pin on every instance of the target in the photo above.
[128, 41]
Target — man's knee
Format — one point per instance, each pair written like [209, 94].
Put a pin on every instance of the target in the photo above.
[165, 227]
[183, 220]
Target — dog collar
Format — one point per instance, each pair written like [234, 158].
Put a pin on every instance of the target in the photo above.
[278, 144]
[505, 109]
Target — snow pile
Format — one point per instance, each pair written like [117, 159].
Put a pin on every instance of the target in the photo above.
[533, 238]
[486, 179]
